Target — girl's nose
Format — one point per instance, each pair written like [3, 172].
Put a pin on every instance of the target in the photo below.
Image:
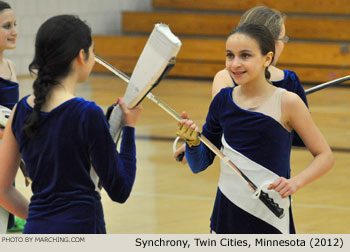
[14, 31]
[236, 62]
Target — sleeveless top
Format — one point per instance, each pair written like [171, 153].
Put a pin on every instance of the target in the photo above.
[9, 92]
[240, 195]
[258, 136]
[272, 106]
[291, 83]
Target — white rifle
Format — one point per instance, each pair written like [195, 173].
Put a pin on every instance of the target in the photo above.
[156, 59]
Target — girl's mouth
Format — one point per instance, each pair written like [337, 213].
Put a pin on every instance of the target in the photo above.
[239, 73]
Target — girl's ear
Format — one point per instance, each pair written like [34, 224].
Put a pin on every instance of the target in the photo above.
[81, 57]
[268, 59]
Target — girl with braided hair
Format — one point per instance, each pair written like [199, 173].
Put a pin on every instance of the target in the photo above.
[65, 140]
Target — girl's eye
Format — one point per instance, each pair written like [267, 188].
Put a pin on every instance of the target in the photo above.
[245, 55]
[9, 25]
[229, 55]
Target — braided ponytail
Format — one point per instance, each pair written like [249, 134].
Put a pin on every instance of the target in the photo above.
[58, 42]
[41, 86]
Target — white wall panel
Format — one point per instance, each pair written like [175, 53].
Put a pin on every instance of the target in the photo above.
[103, 16]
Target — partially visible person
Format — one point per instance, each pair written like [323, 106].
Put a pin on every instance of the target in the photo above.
[274, 21]
[65, 140]
[9, 92]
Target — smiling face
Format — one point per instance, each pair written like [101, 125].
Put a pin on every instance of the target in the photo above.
[8, 30]
[244, 59]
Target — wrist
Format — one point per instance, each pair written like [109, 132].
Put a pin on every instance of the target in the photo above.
[297, 181]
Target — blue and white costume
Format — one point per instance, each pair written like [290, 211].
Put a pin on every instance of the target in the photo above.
[261, 139]
[291, 83]
[72, 138]
[9, 94]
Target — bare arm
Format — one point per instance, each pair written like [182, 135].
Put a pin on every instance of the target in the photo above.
[221, 80]
[10, 198]
[13, 70]
[296, 116]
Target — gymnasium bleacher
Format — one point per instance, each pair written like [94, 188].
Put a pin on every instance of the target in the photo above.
[319, 49]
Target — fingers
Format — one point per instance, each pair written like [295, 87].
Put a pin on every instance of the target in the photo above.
[130, 115]
[122, 105]
[184, 115]
[283, 186]
[137, 109]
[188, 124]
[274, 184]
[188, 131]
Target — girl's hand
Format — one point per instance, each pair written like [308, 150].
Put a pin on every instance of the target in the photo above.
[130, 115]
[188, 131]
[284, 187]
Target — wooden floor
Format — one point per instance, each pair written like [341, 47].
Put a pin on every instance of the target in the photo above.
[168, 198]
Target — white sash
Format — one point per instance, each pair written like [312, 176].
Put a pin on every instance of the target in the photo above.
[232, 186]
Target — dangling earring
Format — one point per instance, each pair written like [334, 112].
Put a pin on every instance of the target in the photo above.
[267, 73]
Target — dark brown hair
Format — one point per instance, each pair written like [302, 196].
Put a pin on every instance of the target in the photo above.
[58, 42]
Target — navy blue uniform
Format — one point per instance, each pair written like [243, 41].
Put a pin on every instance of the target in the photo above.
[255, 135]
[73, 138]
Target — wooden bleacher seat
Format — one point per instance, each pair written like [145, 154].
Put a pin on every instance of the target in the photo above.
[318, 52]
[291, 6]
[297, 27]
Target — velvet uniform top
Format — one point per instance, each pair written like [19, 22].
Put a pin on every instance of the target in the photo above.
[291, 83]
[253, 134]
[257, 136]
[9, 93]
[73, 137]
